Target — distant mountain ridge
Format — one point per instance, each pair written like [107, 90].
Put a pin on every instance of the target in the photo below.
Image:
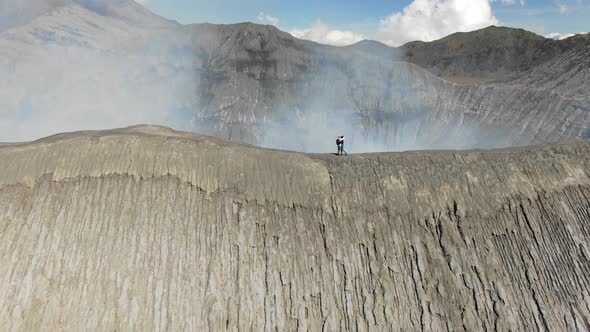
[493, 53]
[28, 11]
[74, 68]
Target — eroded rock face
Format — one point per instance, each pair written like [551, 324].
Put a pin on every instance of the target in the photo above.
[146, 228]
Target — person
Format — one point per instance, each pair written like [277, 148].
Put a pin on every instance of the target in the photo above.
[340, 144]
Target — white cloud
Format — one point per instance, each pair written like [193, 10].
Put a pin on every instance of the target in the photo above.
[560, 36]
[266, 18]
[563, 8]
[321, 33]
[429, 20]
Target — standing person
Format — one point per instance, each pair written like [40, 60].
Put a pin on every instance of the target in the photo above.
[340, 144]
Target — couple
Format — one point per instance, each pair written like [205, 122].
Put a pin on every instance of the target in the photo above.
[340, 144]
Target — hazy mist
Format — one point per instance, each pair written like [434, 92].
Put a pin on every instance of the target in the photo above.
[70, 78]
[69, 75]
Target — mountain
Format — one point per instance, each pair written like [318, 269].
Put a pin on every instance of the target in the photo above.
[17, 13]
[82, 66]
[146, 228]
[260, 85]
[76, 27]
[76, 67]
[493, 53]
[566, 74]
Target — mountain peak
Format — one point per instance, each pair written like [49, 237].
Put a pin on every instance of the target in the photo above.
[22, 12]
[489, 54]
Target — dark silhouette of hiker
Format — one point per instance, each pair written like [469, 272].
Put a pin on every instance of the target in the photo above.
[340, 144]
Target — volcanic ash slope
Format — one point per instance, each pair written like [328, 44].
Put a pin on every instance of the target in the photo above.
[145, 228]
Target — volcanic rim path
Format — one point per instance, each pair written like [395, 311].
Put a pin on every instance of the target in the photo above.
[148, 228]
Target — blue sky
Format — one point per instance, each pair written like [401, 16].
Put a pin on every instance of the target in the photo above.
[547, 16]
[390, 21]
